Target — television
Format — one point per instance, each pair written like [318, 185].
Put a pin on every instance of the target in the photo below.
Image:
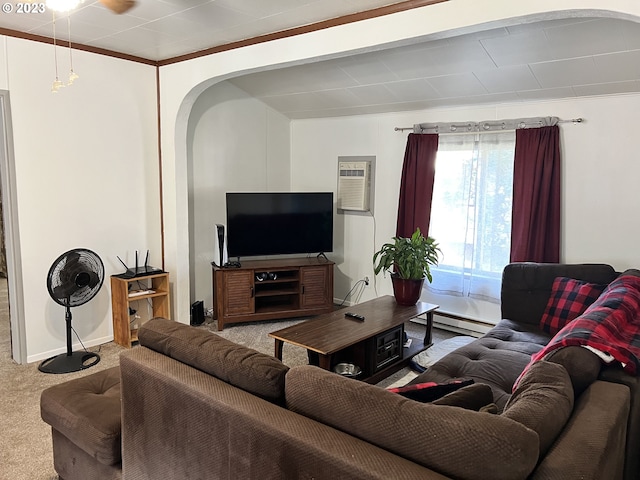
[276, 223]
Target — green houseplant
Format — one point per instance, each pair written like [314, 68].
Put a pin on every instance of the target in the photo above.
[410, 259]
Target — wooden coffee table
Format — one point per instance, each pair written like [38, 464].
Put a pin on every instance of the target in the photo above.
[371, 344]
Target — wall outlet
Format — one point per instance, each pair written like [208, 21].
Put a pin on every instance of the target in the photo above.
[366, 280]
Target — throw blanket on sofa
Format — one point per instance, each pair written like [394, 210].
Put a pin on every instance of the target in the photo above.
[611, 324]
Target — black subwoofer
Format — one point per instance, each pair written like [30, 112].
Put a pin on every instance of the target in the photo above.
[197, 313]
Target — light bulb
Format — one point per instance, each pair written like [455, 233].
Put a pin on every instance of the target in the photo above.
[63, 5]
[72, 77]
[57, 85]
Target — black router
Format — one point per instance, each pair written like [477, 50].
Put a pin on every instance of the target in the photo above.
[139, 271]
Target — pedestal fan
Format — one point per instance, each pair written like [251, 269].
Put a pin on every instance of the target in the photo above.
[74, 279]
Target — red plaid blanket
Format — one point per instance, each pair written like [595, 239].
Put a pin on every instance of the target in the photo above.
[611, 324]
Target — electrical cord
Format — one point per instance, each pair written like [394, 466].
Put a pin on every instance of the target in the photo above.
[361, 283]
[141, 286]
[375, 277]
[83, 347]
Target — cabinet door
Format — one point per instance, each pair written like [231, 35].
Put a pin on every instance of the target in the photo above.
[239, 295]
[316, 286]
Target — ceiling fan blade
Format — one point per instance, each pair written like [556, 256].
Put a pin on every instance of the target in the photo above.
[118, 6]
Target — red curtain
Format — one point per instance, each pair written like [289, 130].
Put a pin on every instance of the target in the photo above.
[416, 185]
[535, 229]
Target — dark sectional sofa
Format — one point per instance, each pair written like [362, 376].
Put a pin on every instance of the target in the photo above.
[498, 358]
[190, 404]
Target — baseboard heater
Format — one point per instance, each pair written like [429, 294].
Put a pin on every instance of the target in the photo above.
[457, 323]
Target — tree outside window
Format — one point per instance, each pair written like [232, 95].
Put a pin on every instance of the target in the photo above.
[471, 213]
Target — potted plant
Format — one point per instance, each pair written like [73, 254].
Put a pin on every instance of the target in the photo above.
[410, 259]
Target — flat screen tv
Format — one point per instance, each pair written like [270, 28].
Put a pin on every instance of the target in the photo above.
[276, 223]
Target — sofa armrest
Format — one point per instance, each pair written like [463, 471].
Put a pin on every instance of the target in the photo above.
[592, 444]
[179, 422]
[615, 374]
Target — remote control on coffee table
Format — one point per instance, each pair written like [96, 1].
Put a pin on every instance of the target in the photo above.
[329, 334]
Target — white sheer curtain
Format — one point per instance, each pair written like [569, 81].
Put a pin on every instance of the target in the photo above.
[471, 213]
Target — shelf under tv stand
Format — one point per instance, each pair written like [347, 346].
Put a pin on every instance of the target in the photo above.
[303, 286]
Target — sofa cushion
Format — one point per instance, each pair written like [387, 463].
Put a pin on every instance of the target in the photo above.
[467, 394]
[429, 391]
[86, 411]
[582, 365]
[497, 359]
[242, 367]
[453, 441]
[543, 401]
[569, 299]
[519, 337]
[476, 396]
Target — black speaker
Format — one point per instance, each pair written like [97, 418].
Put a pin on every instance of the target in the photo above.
[197, 313]
[220, 229]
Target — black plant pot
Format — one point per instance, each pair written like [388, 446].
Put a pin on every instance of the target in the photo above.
[406, 291]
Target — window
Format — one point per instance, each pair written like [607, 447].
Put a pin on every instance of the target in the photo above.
[471, 213]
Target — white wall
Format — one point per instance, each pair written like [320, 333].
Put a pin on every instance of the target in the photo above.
[598, 175]
[599, 178]
[92, 149]
[235, 143]
[86, 165]
[182, 83]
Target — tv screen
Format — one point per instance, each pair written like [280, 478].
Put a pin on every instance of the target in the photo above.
[279, 223]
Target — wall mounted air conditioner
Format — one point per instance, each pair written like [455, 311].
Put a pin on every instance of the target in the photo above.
[354, 185]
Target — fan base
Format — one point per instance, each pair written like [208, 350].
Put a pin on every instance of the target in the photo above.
[65, 363]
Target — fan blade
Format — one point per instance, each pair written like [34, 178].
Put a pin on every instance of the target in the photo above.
[118, 6]
[71, 258]
[71, 271]
[63, 292]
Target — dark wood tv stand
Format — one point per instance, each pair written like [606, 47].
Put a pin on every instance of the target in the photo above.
[297, 287]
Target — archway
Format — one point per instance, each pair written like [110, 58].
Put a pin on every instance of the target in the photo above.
[416, 26]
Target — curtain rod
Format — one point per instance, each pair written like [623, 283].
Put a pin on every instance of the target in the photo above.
[487, 125]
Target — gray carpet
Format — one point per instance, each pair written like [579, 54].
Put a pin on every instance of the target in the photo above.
[25, 442]
[257, 337]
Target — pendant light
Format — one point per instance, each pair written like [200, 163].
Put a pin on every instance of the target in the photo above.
[57, 84]
[62, 6]
[72, 75]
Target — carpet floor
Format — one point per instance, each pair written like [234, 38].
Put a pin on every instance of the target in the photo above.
[25, 443]
[257, 338]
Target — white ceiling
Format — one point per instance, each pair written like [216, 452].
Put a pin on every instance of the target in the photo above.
[161, 29]
[544, 60]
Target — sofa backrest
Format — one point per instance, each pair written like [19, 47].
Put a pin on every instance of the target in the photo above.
[526, 286]
[453, 441]
[180, 423]
[242, 367]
